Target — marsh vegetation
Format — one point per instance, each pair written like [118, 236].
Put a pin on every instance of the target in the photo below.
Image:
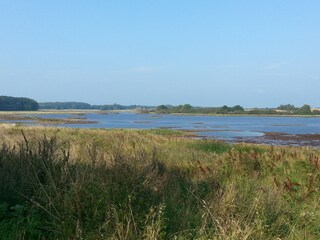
[153, 184]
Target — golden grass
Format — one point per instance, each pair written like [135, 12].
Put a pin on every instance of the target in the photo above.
[147, 184]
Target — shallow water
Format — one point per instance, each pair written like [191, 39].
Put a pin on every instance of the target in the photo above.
[222, 127]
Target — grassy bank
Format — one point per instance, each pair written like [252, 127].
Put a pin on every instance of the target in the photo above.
[153, 184]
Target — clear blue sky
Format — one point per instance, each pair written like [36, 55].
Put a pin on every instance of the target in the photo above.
[209, 53]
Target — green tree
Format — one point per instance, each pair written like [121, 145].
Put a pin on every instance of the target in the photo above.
[224, 109]
[287, 107]
[305, 109]
[237, 108]
[186, 107]
[162, 109]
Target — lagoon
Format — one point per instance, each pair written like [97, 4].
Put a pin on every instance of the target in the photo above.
[228, 128]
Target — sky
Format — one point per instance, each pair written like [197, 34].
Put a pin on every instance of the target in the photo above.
[152, 52]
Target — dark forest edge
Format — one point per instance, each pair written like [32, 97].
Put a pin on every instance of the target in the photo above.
[17, 104]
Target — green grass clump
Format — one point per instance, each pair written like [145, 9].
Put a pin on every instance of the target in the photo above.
[216, 146]
[133, 184]
[212, 146]
[166, 132]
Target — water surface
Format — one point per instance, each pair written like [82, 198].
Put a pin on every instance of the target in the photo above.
[220, 127]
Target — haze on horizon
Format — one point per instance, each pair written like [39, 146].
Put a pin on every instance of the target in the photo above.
[206, 53]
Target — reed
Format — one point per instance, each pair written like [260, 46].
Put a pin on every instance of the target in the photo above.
[146, 184]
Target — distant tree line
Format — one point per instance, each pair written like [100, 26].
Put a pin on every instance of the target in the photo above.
[304, 110]
[64, 105]
[27, 104]
[82, 105]
[281, 110]
[17, 104]
[187, 108]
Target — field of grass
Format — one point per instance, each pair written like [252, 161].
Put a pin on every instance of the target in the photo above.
[153, 184]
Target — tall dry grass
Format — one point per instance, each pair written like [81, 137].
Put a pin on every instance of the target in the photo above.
[134, 184]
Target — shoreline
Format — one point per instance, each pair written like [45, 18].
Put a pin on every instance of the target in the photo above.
[236, 115]
[270, 138]
[284, 139]
[85, 111]
[66, 111]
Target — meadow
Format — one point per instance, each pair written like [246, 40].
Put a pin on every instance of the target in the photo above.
[59, 183]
